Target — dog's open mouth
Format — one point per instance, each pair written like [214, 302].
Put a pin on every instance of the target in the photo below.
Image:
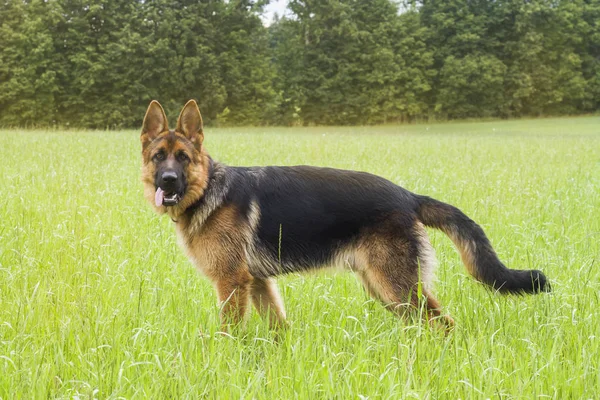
[162, 198]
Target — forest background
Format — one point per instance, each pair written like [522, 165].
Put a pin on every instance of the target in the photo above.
[97, 64]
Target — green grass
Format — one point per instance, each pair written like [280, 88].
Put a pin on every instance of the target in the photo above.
[98, 301]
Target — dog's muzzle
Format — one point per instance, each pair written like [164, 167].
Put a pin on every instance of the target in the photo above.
[166, 192]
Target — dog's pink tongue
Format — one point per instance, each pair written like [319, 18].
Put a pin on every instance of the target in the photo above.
[158, 197]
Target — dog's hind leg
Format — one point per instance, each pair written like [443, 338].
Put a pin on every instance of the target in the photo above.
[402, 298]
[267, 301]
[392, 272]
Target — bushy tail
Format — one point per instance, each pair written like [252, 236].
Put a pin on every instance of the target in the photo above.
[476, 252]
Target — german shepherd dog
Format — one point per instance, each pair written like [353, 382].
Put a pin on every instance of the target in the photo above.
[243, 226]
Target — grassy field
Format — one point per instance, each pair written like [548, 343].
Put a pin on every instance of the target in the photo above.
[97, 300]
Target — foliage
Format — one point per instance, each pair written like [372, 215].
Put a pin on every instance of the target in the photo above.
[97, 64]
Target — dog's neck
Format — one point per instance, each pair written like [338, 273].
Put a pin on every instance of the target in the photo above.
[202, 199]
[194, 216]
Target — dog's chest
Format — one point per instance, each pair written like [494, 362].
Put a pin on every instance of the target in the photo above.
[217, 245]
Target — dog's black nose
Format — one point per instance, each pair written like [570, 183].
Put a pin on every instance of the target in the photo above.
[169, 177]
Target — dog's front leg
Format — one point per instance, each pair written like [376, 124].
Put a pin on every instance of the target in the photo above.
[234, 296]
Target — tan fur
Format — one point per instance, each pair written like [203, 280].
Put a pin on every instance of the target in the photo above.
[387, 273]
[234, 291]
[426, 259]
[466, 249]
[260, 264]
[217, 251]
[267, 301]
[402, 299]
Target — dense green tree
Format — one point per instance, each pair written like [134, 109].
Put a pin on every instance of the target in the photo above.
[351, 62]
[539, 44]
[527, 54]
[245, 65]
[589, 53]
[98, 63]
[471, 86]
[28, 74]
[95, 69]
[287, 47]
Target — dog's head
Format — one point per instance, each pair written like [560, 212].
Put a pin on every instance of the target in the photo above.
[175, 166]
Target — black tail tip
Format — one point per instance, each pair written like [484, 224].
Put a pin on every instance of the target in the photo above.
[523, 282]
[538, 281]
[532, 281]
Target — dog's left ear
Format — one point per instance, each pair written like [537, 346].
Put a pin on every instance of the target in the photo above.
[190, 123]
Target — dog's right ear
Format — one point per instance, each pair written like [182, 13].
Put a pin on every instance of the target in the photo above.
[155, 122]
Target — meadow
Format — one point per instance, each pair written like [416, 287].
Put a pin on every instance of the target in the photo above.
[98, 301]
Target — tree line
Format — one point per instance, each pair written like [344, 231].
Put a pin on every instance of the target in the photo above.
[97, 64]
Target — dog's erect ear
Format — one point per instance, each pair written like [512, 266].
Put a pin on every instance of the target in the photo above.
[190, 123]
[155, 122]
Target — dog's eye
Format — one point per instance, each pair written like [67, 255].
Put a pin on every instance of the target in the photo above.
[160, 156]
[182, 157]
